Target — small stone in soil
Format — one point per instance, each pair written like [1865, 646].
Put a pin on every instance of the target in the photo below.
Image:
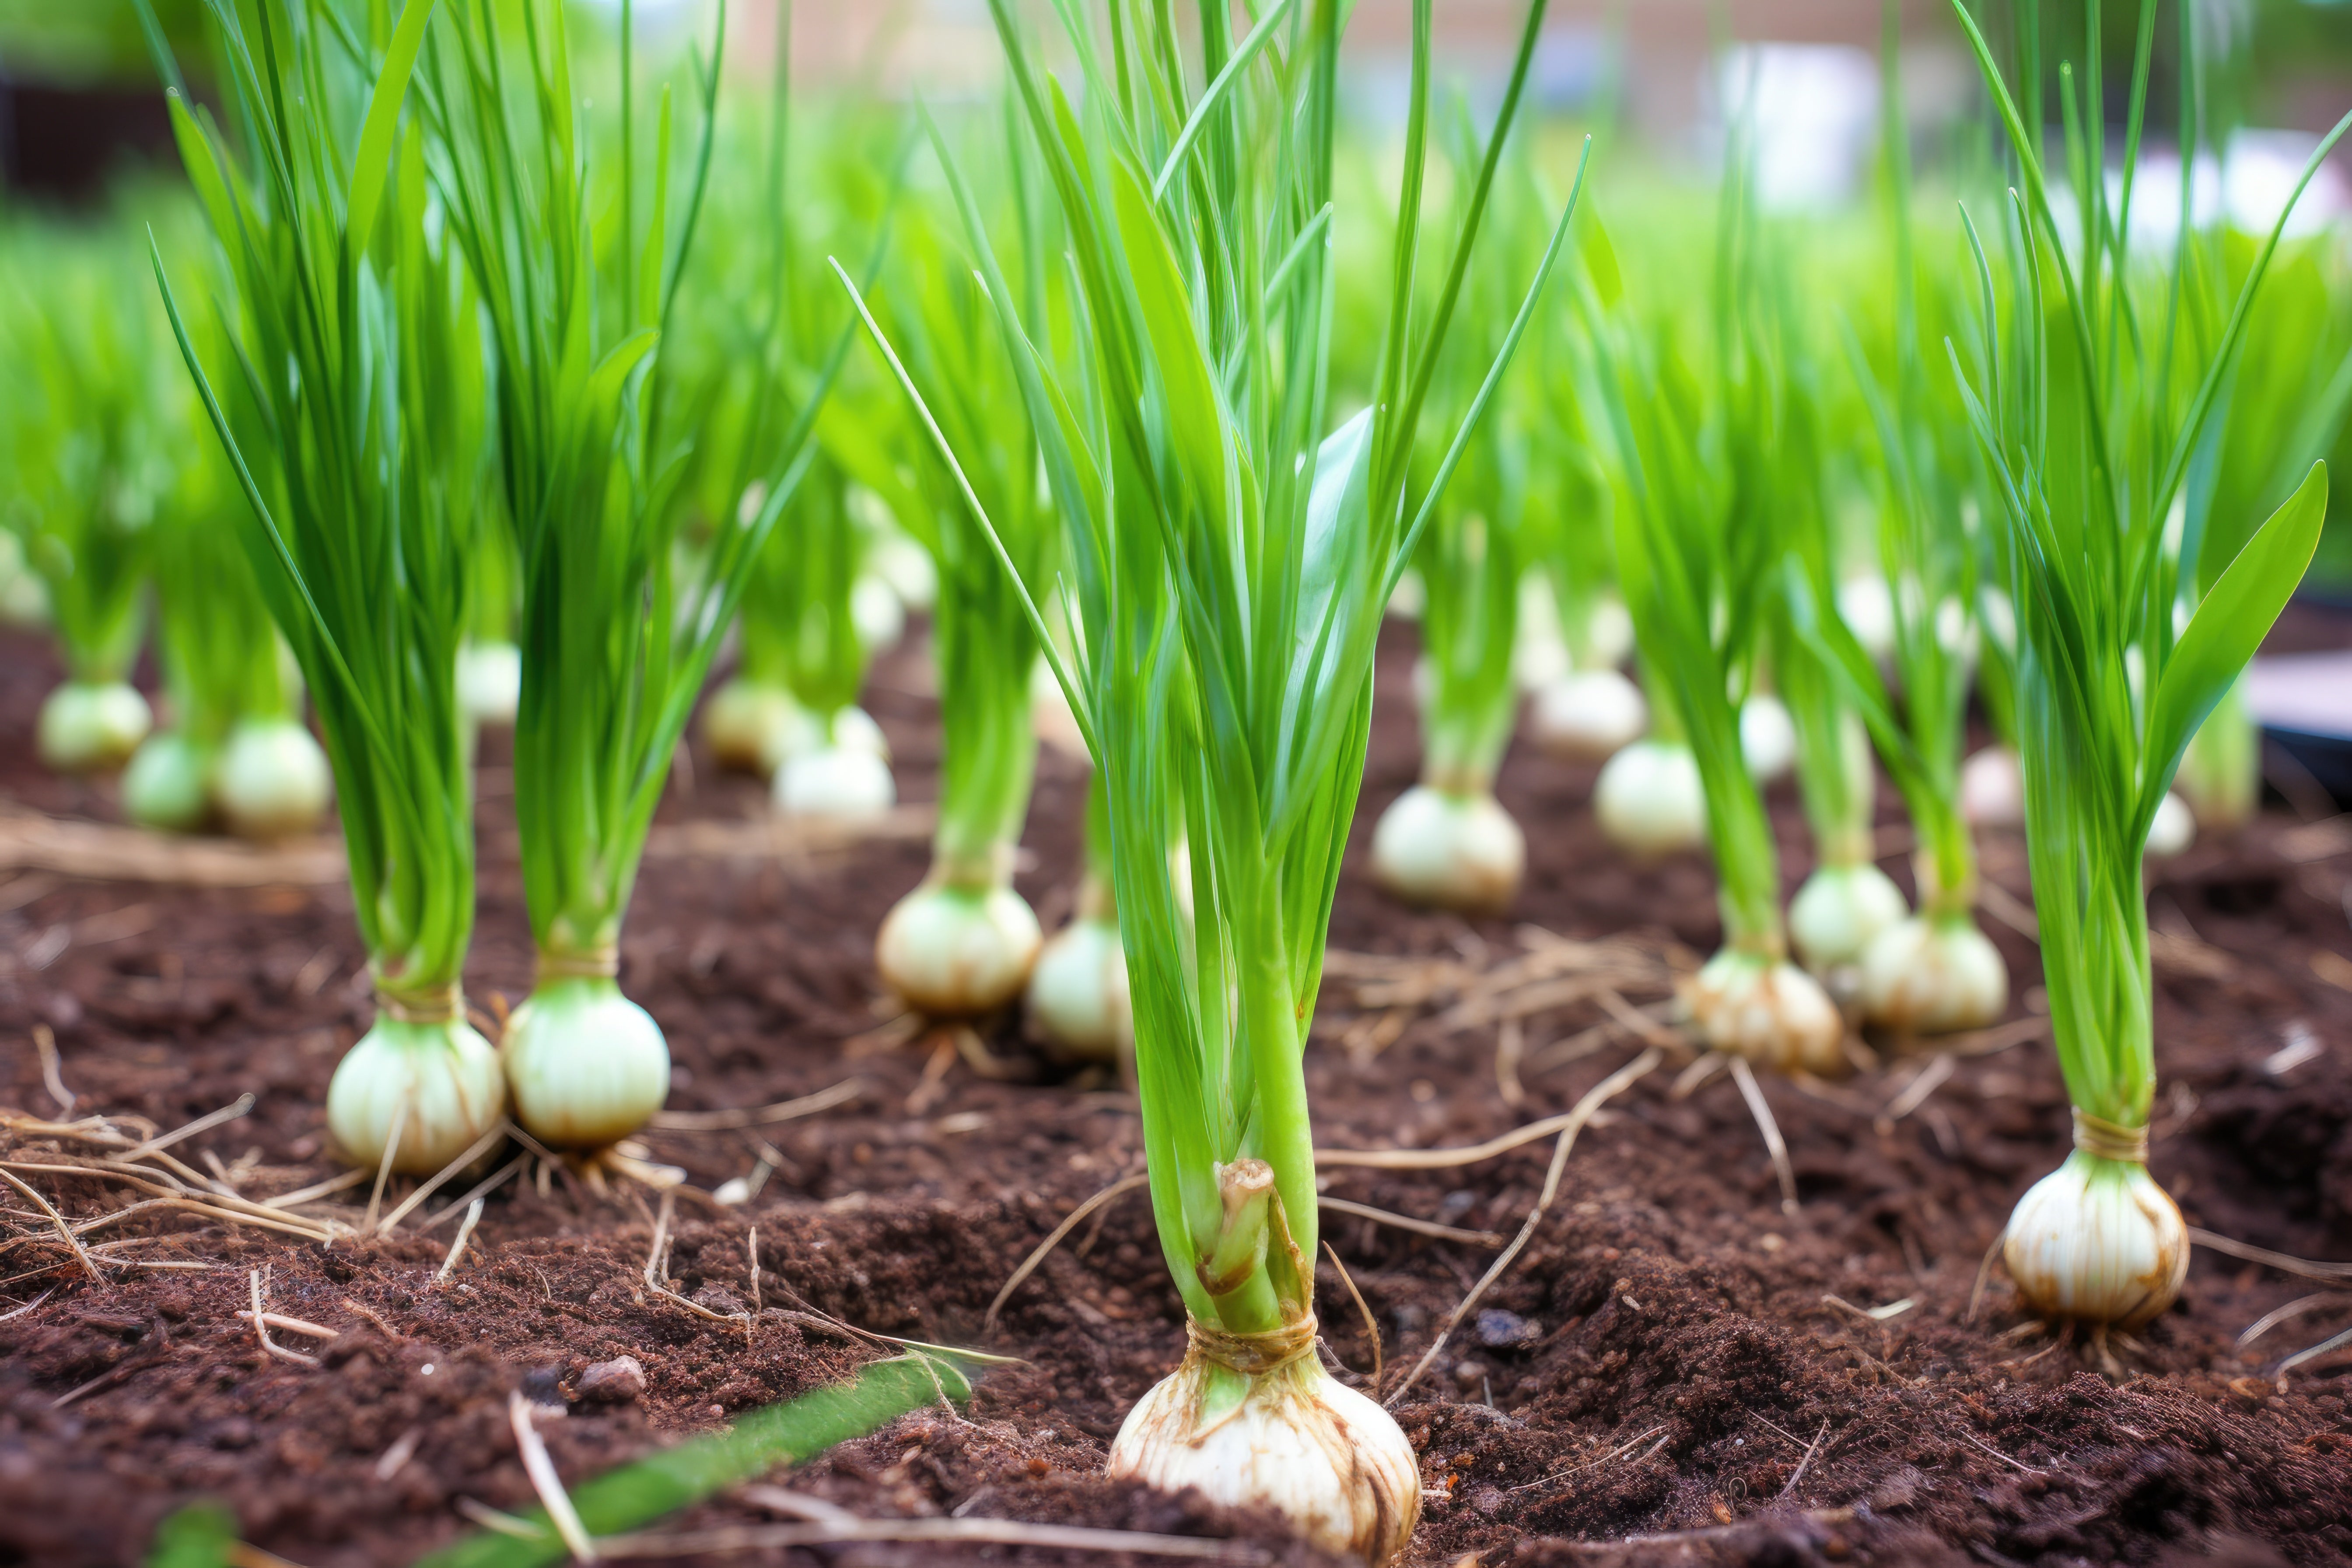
[615, 1382]
[1501, 1331]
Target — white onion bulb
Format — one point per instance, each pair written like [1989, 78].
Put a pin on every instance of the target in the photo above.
[878, 613]
[906, 566]
[1588, 714]
[1992, 789]
[166, 786]
[2174, 828]
[1768, 737]
[446, 1075]
[1608, 635]
[1932, 974]
[1650, 799]
[2098, 1241]
[1449, 850]
[1866, 606]
[848, 778]
[1330, 1460]
[1078, 997]
[753, 726]
[957, 952]
[272, 780]
[88, 726]
[586, 1066]
[490, 681]
[1839, 910]
[1767, 1010]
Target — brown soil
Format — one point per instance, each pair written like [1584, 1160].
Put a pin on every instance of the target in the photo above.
[1683, 1376]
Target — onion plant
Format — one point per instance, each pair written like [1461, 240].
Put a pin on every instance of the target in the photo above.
[616, 646]
[354, 336]
[962, 943]
[234, 744]
[1584, 707]
[2090, 386]
[1446, 842]
[1231, 565]
[1077, 998]
[1935, 971]
[801, 655]
[1707, 439]
[91, 423]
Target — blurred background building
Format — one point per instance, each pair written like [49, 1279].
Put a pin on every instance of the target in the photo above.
[76, 93]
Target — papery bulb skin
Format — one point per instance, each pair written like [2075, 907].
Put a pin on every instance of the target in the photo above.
[447, 1075]
[1077, 998]
[1992, 789]
[1839, 910]
[1589, 715]
[490, 681]
[88, 726]
[1932, 974]
[272, 780]
[958, 952]
[1326, 1458]
[1768, 737]
[752, 726]
[1448, 851]
[845, 782]
[167, 785]
[585, 1065]
[2174, 828]
[1650, 799]
[2097, 1241]
[1768, 1011]
[878, 613]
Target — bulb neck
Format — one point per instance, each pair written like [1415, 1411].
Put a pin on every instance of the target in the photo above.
[600, 963]
[1461, 779]
[972, 870]
[1098, 899]
[1252, 1354]
[430, 1005]
[1936, 898]
[2104, 1139]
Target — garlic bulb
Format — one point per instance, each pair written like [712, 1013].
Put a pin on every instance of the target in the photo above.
[954, 950]
[1650, 800]
[1293, 1439]
[752, 726]
[166, 786]
[1588, 714]
[1992, 789]
[88, 726]
[1768, 737]
[1450, 850]
[490, 681]
[586, 1066]
[440, 1081]
[1078, 997]
[1767, 1010]
[272, 780]
[1932, 974]
[1839, 910]
[2174, 828]
[2097, 1240]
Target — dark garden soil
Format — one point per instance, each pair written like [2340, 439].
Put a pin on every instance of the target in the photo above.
[1675, 1370]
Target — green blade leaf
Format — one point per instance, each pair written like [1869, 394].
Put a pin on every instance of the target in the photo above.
[373, 158]
[2228, 626]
